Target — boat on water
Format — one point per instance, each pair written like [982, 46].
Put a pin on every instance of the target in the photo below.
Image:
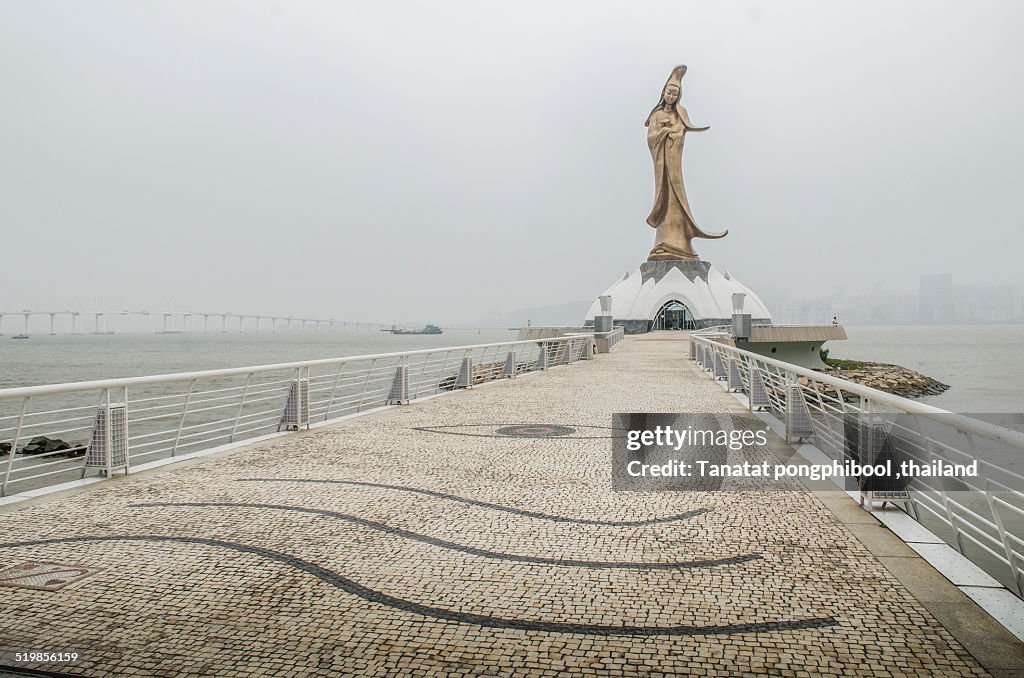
[20, 336]
[429, 329]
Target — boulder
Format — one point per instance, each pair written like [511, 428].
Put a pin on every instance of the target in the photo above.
[45, 445]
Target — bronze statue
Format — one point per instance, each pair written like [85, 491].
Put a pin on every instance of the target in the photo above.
[667, 126]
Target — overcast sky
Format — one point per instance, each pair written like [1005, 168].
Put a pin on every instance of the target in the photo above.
[392, 161]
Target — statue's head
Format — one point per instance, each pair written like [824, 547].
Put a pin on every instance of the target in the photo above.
[670, 92]
[674, 85]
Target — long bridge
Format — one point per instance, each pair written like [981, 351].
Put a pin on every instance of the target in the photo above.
[78, 322]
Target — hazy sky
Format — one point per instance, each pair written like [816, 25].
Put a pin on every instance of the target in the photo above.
[394, 161]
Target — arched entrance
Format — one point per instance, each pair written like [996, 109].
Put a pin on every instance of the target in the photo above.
[674, 316]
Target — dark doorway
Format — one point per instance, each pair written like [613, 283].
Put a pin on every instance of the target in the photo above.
[674, 316]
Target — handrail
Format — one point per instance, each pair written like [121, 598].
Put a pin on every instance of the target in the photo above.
[70, 387]
[966, 424]
[972, 512]
[155, 416]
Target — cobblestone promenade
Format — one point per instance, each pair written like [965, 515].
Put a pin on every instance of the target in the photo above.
[471, 534]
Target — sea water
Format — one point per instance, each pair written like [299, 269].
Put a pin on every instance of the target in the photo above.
[982, 364]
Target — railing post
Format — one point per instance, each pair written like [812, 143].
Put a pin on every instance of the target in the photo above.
[362, 393]
[108, 446]
[510, 364]
[85, 457]
[568, 346]
[184, 414]
[1011, 558]
[719, 367]
[14, 446]
[124, 432]
[399, 393]
[588, 349]
[108, 438]
[950, 516]
[542, 360]
[919, 427]
[758, 395]
[798, 419]
[443, 372]
[419, 377]
[465, 378]
[734, 382]
[486, 371]
[241, 405]
[296, 409]
[334, 391]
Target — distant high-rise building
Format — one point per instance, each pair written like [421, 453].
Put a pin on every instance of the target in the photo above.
[994, 304]
[935, 299]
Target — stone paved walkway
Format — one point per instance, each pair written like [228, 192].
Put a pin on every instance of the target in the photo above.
[421, 540]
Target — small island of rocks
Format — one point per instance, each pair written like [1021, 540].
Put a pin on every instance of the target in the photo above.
[894, 379]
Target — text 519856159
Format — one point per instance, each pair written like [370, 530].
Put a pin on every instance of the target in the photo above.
[35, 656]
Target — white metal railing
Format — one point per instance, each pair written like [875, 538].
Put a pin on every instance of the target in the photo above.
[983, 517]
[605, 341]
[615, 336]
[114, 424]
[612, 337]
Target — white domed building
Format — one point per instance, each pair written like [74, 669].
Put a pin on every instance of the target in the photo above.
[677, 294]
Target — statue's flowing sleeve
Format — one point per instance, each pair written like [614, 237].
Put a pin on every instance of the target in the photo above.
[657, 139]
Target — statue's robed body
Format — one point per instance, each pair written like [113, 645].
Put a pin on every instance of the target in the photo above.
[667, 126]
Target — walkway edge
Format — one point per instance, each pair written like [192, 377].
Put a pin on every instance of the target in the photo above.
[980, 622]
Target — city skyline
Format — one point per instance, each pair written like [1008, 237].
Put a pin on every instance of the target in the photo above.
[938, 300]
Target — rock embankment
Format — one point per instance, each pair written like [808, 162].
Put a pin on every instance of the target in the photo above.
[893, 379]
[54, 447]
